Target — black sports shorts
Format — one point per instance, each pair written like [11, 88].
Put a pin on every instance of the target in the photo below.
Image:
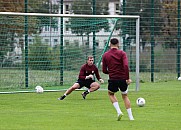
[116, 85]
[85, 83]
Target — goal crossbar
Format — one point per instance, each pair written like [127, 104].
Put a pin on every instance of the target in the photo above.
[137, 17]
[70, 15]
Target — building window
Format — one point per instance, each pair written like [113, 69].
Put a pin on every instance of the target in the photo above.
[106, 44]
[46, 40]
[117, 8]
[66, 42]
[55, 41]
[66, 25]
[47, 28]
[67, 9]
[56, 29]
[76, 43]
[86, 43]
[30, 40]
[97, 43]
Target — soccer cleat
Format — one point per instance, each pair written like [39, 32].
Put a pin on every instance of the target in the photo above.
[132, 119]
[84, 95]
[62, 97]
[120, 116]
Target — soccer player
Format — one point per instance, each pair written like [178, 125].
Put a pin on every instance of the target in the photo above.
[115, 63]
[86, 78]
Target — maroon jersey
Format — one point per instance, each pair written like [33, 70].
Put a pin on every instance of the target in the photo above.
[87, 70]
[115, 63]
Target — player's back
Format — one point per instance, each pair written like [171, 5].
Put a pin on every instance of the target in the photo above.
[115, 63]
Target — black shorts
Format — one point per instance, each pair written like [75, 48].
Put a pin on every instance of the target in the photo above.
[116, 85]
[85, 83]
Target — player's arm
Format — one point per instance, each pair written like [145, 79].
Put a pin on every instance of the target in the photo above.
[98, 76]
[82, 72]
[126, 68]
[97, 73]
[104, 66]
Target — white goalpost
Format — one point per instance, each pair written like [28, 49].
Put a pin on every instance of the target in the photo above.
[97, 24]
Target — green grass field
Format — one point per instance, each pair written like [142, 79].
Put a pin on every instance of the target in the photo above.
[32, 111]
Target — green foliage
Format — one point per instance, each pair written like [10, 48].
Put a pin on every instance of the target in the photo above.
[170, 13]
[86, 7]
[39, 56]
[82, 26]
[7, 34]
[144, 10]
[47, 7]
[42, 57]
[3, 46]
[72, 56]
[15, 24]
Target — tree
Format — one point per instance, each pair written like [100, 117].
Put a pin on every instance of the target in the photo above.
[13, 26]
[170, 14]
[82, 26]
[144, 10]
[46, 6]
[39, 55]
[7, 35]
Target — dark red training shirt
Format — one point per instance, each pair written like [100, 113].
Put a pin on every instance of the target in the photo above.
[115, 63]
[87, 70]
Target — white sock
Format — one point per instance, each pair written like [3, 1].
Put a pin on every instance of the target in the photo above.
[116, 106]
[130, 114]
[65, 95]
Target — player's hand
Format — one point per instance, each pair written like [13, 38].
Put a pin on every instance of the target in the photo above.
[89, 77]
[128, 81]
[101, 81]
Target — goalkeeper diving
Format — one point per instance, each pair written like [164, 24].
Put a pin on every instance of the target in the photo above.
[86, 79]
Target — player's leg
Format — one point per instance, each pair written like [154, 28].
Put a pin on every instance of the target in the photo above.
[124, 91]
[112, 97]
[112, 89]
[127, 105]
[115, 103]
[75, 86]
[92, 86]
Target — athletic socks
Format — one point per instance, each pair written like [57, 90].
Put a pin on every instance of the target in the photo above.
[116, 106]
[130, 115]
[87, 92]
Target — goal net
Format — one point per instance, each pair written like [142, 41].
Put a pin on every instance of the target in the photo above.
[49, 49]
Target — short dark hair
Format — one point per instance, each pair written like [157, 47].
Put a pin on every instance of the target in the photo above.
[114, 41]
[90, 57]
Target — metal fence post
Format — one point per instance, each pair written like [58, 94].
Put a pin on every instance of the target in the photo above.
[178, 42]
[152, 41]
[26, 44]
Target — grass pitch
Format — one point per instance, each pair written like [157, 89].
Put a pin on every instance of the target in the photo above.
[32, 111]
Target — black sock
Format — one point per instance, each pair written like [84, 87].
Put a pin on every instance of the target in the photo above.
[86, 92]
[63, 96]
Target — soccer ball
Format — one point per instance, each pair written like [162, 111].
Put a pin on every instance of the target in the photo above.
[39, 89]
[140, 102]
